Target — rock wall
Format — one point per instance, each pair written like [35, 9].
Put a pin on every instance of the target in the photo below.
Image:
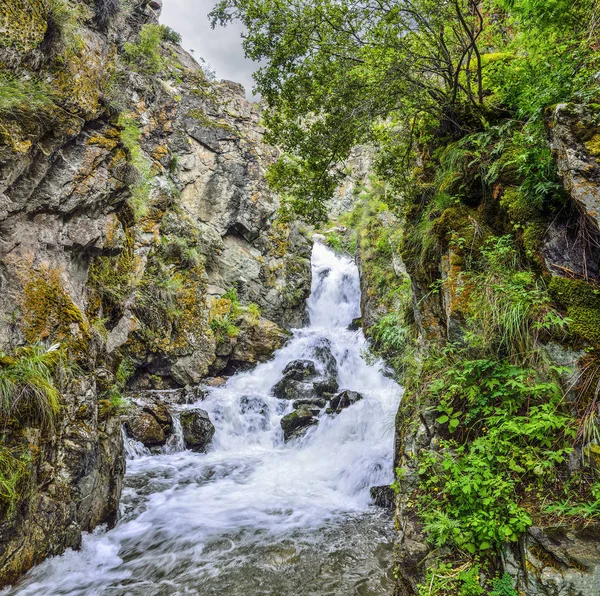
[132, 199]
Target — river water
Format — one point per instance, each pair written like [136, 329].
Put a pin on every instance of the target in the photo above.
[255, 515]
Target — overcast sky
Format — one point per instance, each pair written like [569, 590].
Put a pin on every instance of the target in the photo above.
[221, 47]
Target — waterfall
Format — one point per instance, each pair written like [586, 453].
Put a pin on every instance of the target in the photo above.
[133, 448]
[256, 514]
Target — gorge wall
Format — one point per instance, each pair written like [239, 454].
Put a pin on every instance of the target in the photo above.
[437, 280]
[139, 248]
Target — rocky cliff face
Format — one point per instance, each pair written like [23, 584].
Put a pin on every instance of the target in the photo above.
[137, 238]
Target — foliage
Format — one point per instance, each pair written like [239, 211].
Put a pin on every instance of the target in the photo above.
[145, 53]
[23, 98]
[141, 187]
[446, 580]
[222, 315]
[508, 307]
[13, 469]
[62, 24]
[27, 383]
[168, 34]
[507, 438]
[408, 74]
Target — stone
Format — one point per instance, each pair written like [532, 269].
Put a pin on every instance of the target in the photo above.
[324, 356]
[574, 142]
[317, 403]
[144, 427]
[297, 423]
[556, 560]
[356, 324]
[300, 370]
[344, 400]
[291, 389]
[198, 430]
[383, 496]
[325, 386]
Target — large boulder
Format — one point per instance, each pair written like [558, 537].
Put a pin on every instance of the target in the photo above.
[556, 560]
[344, 400]
[292, 389]
[145, 428]
[300, 370]
[325, 386]
[313, 403]
[383, 496]
[297, 423]
[198, 430]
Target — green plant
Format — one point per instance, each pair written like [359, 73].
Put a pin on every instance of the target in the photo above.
[141, 187]
[13, 468]
[168, 34]
[508, 437]
[22, 98]
[145, 54]
[27, 383]
[503, 586]
[253, 311]
[445, 580]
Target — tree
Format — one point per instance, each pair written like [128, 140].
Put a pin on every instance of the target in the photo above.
[333, 71]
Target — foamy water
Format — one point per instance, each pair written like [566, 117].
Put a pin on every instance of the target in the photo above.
[256, 515]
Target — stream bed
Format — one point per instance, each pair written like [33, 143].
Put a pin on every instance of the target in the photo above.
[256, 515]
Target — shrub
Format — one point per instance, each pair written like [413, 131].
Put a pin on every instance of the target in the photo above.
[169, 34]
[142, 186]
[27, 386]
[12, 469]
[22, 98]
[507, 438]
[145, 53]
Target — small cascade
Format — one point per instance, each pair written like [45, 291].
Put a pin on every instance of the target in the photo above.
[175, 442]
[133, 448]
[257, 515]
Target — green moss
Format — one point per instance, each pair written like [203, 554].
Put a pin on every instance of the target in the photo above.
[586, 323]
[593, 145]
[516, 205]
[582, 301]
[49, 312]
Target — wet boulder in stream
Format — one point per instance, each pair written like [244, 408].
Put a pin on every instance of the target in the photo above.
[149, 422]
[292, 389]
[300, 370]
[344, 400]
[297, 423]
[144, 427]
[198, 430]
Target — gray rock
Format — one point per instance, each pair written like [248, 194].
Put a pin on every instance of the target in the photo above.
[325, 386]
[556, 561]
[291, 389]
[324, 357]
[198, 430]
[297, 423]
[317, 403]
[383, 496]
[144, 427]
[300, 370]
[344, 400]
[355, 325]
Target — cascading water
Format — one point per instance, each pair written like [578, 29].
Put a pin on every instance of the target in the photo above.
[256, 515]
